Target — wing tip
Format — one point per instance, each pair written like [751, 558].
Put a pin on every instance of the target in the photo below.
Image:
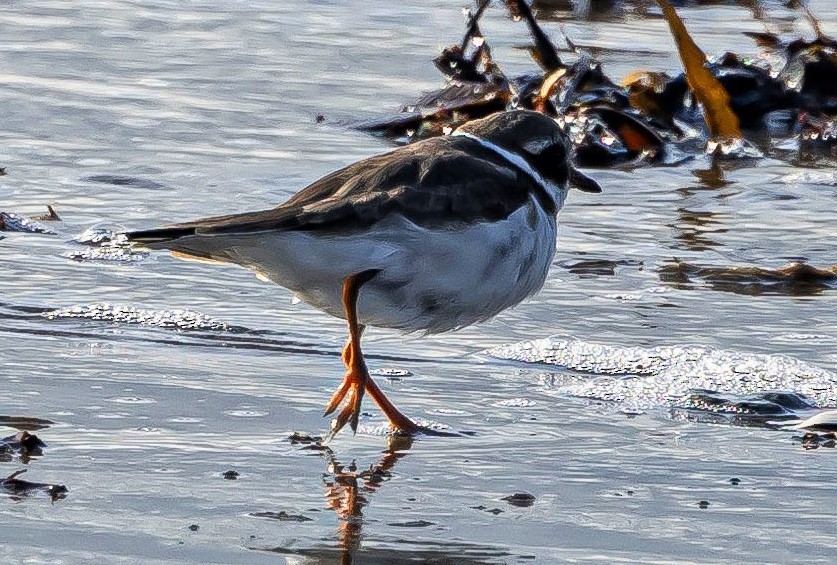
[159, 235]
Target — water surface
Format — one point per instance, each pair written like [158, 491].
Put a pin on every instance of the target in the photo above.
[128, 114]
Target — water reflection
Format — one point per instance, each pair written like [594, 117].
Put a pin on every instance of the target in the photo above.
[348, 490]
[713, 177]
[693, 226]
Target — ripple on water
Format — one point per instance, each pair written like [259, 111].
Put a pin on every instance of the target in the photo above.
[643, 378]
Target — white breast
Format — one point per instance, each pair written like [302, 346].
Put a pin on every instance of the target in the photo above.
[430, 280]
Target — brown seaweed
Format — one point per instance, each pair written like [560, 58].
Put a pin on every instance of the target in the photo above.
[795, 279]
[720, 119]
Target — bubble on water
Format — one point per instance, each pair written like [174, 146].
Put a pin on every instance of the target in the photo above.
[177, 319]
[643, 378]
[514, 403]
[108, 253]
[106, 245]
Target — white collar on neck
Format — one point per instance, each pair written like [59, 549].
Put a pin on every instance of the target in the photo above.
[555, 192]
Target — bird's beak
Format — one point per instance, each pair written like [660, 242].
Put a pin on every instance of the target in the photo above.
[582, 182]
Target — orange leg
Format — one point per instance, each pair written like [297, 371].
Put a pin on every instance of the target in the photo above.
[357, 380]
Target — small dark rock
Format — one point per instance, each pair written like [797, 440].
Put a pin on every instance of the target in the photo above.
[194, 527]
[520, 499]
[735, 481]
[231, 475]
[412, 524]
[282, 516]
[703, 504]
[304, 439]
[319, 118]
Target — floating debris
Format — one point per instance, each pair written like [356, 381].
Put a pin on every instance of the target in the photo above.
[177, 319]
[27, 423]
[22, 487]
[795, 279]
[641, 378]
[50, 216]
[649, 117]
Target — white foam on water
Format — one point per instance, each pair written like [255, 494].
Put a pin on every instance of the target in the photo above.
[643, 377]
[179, 319]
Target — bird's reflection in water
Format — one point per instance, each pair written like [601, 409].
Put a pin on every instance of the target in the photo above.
[348, 491]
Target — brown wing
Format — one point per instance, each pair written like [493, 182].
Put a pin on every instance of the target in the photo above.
[463, 183]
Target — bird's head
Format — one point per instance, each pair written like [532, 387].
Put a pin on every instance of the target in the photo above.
[537, 140]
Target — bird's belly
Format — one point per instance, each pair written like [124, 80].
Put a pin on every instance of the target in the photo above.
[429, 280]
[456, 278]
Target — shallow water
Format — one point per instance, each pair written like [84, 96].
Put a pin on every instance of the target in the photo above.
[161, 374]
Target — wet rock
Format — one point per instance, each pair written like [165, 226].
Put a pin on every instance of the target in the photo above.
[814, 440]
[735, 481]
[22, 443]
[520, 499]
[297, 438]
[704, 504]
[231, 475]
[9, 221]
[412, 524]
[194, 528]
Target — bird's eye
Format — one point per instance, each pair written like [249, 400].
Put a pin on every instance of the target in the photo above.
[537, 145]
[550, 161]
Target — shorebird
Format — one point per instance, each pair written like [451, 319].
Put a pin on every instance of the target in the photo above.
[430, 237]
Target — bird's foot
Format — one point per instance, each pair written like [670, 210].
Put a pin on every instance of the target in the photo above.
[350, 394]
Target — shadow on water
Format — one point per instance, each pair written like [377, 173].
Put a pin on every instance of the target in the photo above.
[348, 490]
